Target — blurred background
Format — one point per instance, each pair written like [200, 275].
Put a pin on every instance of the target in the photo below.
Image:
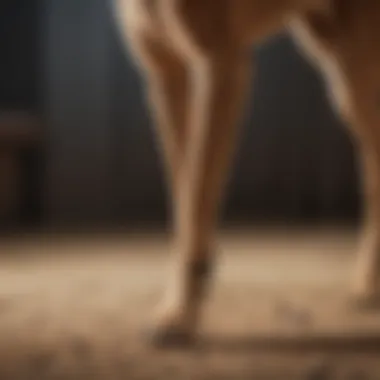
[77, 146]
[77, 152]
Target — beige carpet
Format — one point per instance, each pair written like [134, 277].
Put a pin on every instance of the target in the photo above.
[73, 309]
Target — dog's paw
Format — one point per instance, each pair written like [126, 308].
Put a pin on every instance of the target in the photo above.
[170, 330]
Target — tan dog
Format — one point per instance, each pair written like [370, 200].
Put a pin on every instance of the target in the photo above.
[196, 60]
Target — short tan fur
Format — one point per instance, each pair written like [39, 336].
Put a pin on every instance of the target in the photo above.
[195, 58]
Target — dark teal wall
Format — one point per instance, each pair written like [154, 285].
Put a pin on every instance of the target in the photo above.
[19, 54]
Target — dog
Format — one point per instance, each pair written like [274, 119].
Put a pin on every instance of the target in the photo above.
[195, 60]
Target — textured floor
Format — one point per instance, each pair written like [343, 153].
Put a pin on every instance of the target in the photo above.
[73, 308]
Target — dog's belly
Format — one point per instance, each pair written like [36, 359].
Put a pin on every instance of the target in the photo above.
[248, 20]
